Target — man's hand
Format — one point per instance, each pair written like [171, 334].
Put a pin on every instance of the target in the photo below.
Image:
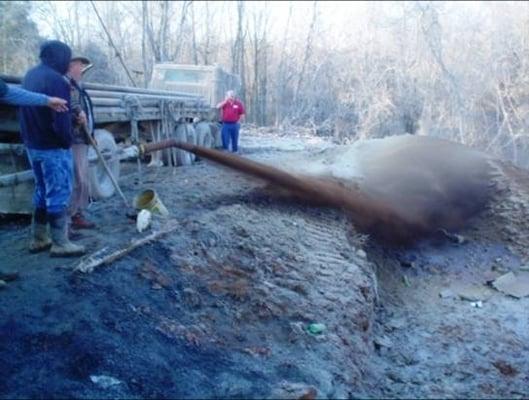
[81, 118]
[222, 103]
[57, 104]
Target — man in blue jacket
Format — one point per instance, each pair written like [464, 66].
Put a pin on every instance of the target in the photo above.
[48, 138]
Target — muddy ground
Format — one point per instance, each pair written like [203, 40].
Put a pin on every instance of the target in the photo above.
[221, 306]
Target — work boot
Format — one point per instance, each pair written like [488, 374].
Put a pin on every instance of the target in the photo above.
[79, 222]
[40, 239]
[61, 245]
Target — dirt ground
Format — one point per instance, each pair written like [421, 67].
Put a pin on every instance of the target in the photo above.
[223, 305]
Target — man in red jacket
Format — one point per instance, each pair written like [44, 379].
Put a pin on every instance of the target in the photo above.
[232, 112]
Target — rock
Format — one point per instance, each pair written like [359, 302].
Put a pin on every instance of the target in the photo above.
[474, 293]
[513, 285]
[394, 324]
[316, 329]
[382, 341]
[361, 253]
[447, 294]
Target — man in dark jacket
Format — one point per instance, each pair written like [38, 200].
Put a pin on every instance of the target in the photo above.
[48, 138]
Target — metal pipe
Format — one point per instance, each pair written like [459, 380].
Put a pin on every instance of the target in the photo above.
[109, 102]
[89, 86]
[140, 96]
[16, 178]
[125, 89]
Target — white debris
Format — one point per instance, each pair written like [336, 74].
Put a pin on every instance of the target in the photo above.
[143, 220]
[104, 381]
[477, 304]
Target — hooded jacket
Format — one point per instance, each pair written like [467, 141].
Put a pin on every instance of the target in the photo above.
[42, 128]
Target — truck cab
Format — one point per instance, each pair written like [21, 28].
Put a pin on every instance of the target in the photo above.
[208, 81]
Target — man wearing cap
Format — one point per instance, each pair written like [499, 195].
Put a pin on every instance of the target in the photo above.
[82, 125]
[48, 138]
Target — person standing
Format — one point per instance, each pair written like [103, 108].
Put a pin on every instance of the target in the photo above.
[82, 125]
[48, 139]
[232, 110]
[16, 96]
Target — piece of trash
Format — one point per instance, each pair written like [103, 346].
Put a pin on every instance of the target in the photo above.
[446, 294]
[2, 284]
[515, 285]
[149, 200]
[316, 328]
[406, 281]
[524, 268]
[143, 220]
[104, 381]
[477, 304]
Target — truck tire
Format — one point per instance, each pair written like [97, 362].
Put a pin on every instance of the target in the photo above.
[182, 157]
[204, 136]
[192, 138]
[216, 129]
[99, 182]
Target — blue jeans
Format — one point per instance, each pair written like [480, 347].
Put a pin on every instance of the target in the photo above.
[230, 131]
[53, 171]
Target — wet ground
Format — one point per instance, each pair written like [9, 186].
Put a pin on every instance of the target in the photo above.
[221, 306]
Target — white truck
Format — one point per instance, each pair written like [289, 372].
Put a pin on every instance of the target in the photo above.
[179, 104]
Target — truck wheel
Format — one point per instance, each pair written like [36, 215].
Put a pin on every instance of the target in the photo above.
[182, 157]
[191, 137]
[100, 184]
[204, 136]
[216, 133]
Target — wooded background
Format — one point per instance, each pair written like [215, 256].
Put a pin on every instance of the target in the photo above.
[347, 70]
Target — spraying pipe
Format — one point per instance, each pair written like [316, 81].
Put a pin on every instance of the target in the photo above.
[368, 214]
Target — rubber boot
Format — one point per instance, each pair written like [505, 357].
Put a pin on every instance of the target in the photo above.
[61, 245]
[40, 239]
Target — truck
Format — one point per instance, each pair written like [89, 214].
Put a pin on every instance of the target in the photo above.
[179, 103]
